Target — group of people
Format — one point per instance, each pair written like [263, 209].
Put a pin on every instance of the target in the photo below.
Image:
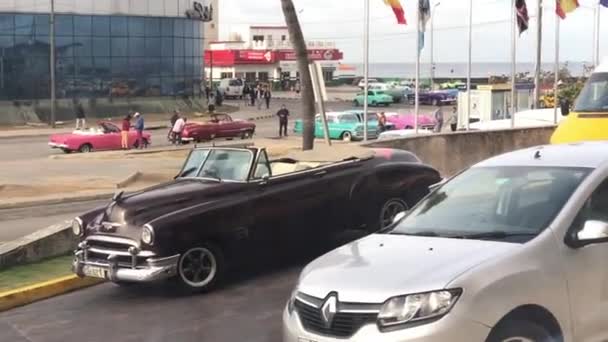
[439, 118]
[139, 128]
[257, 95]
[178, 123]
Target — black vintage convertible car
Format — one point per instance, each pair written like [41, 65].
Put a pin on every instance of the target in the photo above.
[233, 204]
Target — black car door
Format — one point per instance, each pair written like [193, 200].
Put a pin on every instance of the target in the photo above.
[286, 208]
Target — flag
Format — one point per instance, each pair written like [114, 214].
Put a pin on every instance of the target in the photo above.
[604, 3]
[424, 15]
[562, 7]
[523, 19]
[398, 10]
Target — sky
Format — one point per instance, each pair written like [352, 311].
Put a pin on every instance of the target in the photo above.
[342, 21]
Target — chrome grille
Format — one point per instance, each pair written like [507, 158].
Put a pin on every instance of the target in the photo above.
[343, 325]
[100, 248]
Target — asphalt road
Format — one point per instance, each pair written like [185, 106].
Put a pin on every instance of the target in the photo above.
[15, 223]
[248, 309]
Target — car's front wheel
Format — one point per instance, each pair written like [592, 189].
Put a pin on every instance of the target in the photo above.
[85, 148]
[389, 210]
[520, 331]
[347, 137]
[200, 268]
[356, 103]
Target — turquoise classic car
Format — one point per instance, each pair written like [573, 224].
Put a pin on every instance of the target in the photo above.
[344, 126]
[374, 98]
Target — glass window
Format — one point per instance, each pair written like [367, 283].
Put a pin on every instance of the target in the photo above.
[118, 26]
[594, 96]
[178, 66]
[153, 87]
[189, 45]
[83, 66]
[152, 66]
[262, 168]
[197, 48]
[152, 27]
[189, 26]
[83, 25]
[137, 26]
[166, 25]
[521, 201]
[166, 67]
[179, 27]
[153, 47]
[101, 46]
[197, 30]
[120, 66]
[24, 24]
[166, 86]
[7, 24]
[119, 46]
[227, 164]
[189, 70]
[43, 24]
[102, 66]
[64, 45]
[178, 46]
[137, 46]
[64, 25]
[596, 207]
[83, 46]
[101, 26]
[6, 42]
[166, 46]
[65, 67]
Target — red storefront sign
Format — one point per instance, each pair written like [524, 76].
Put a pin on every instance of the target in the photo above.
[314, 55]
[255, 57]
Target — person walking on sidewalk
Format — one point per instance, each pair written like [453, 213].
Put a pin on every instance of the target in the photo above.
[252, 96]
[267, 96]
[283, 115]
[439, 119]
[124, 133]
[259, 96]
[178, 128]
[172, 121]
[211, 106]
[139, 127]
[80, 118]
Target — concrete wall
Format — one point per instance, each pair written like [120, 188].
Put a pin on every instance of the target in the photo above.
[453, 152]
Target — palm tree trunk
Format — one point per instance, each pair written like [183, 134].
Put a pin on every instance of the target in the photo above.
[308, 97]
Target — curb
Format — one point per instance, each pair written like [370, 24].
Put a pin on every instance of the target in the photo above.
[62, 200]
[29, 294]
[263, 117]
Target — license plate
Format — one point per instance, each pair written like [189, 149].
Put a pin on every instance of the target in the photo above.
[93, 271]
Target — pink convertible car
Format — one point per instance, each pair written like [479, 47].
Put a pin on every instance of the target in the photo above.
[406, 121]
[105, 136]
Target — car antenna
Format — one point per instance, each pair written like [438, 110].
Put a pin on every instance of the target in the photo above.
[537, 154]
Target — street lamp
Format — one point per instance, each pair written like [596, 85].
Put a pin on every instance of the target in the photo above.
[432, 44]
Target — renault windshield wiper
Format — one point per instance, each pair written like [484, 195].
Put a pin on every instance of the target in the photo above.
[497, 234]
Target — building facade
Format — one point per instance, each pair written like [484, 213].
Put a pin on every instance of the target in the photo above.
[105, 50]
[265, 54]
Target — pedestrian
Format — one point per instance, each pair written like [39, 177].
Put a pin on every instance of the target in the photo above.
[267, 96]
[252, 96]
[381, 121]
[454, 120]
[439, 119]
[297, 87]
[80, 118]
[212, 101]
[219, 98]
[245, 96]
[283, 115]
[139, 127]
[178, 128]
[173, 119]
[124, 133]
[259, 96]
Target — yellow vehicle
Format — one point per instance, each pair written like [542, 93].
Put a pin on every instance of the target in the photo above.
[589, 117]
[547, 101]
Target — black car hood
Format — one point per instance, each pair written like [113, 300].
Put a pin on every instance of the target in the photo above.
[135, 210]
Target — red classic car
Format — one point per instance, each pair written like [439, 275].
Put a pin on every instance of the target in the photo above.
[104, 136]
[218, 126]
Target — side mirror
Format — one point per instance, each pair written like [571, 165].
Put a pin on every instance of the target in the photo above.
[264, 180]
[399, 216]
[565, 108]
[593, 231]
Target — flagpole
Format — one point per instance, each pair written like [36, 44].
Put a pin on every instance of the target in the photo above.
[365, 69]
[555, 97]
[469, 65]
[513, 60]
[539, 40]
[596, 36]
[417, 91]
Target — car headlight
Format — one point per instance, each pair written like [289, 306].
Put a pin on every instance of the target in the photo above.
[77, 227]
[147, 235]
[417, 307]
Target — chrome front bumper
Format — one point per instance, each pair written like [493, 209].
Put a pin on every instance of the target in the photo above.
[112, 269]
[56, 145]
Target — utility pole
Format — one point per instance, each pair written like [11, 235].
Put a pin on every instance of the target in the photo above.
[52, 62]
[539, 40]
[513, 62]
[556, 81]
[433, 45]
[469, 65]
[365, 68]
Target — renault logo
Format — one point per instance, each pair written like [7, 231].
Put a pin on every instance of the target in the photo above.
[329, 309]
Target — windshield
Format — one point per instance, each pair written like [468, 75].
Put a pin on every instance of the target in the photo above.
[349, 118]
[594, 96]
[220, 164]
[518, 202]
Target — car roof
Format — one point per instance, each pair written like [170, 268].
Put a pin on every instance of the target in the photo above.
[580, 154]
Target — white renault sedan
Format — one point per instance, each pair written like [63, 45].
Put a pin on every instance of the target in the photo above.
[513, 249]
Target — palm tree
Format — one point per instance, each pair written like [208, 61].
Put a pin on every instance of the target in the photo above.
[308, 98]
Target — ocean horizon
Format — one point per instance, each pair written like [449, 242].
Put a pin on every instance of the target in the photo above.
[453, 70]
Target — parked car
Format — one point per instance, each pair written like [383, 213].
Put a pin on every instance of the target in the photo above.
[398, 93]
[524, 119]
[369, 80]
[104, 136]
[372, 119]
[374, 98]
[218, 126]
[407, 121]
[231, 88]
[512, 249]
[434, 97]
[343, 126]
[233, 205]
